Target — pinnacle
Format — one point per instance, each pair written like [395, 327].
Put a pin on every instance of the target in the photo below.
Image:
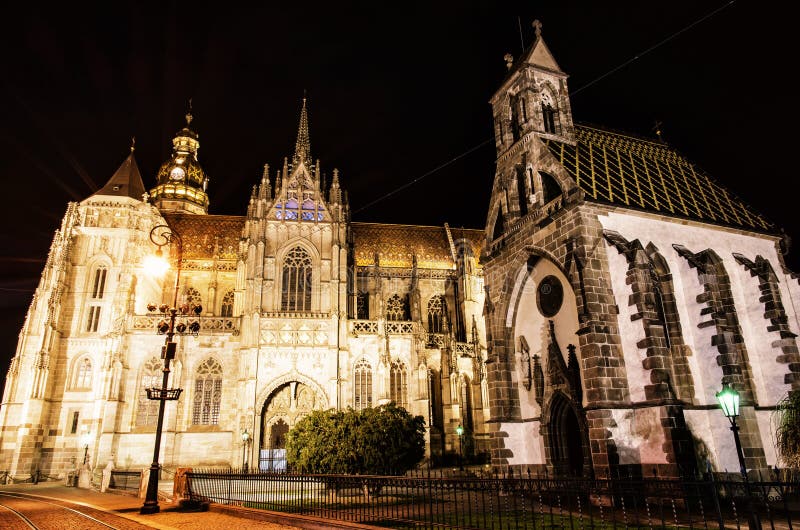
[302, 149]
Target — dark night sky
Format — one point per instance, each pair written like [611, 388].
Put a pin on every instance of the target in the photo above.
[394, 90]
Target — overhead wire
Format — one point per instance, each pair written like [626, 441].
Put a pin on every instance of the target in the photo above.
[571, 93]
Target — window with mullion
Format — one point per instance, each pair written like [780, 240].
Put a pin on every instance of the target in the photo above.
[296, 281]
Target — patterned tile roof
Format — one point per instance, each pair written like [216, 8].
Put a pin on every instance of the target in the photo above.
[202, 234]
[618, 169]
[396, 244]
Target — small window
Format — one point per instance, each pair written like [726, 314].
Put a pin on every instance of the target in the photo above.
[82, 376]
[362, 305]
[73, 429]
[226, 309]
[207, 393]
[397, 384]
[397, 308]
[147, 409]
[93, 320]
[437, 311]
[362, 385]
[99, 284]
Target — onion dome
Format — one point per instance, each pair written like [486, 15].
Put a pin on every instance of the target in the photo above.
[181, 182]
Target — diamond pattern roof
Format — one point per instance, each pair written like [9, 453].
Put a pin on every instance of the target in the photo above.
[618, 169]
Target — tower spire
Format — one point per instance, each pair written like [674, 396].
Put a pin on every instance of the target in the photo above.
[302, 148]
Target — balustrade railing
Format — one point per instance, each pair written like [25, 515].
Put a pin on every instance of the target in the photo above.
[207, 324]
[521, 501]
[374, 327]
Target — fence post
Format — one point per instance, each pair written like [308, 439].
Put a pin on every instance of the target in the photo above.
[715, 493]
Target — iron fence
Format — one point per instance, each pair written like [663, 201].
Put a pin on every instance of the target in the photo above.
[125, 480]
[515, 501]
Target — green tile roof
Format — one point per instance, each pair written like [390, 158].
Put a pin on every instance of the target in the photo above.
[618, 169]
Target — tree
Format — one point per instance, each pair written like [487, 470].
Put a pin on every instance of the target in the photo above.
[788, 430]
[383, 440]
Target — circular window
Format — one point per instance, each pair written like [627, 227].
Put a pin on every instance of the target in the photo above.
[549, 296]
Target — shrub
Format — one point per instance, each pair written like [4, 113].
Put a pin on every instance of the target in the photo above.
[384, 440]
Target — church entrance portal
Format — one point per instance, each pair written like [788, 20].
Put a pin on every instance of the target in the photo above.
[566, 439]
[284, 407]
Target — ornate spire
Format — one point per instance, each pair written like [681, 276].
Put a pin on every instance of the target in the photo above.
[302, 148]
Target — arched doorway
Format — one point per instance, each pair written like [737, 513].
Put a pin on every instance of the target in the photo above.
[567, 438]
[284, 407]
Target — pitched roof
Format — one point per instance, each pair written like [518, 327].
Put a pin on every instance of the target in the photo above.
[207, 236]
[619, 169]
[396, 245]
[125, 182]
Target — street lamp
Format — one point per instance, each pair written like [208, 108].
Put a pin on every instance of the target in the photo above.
[86, 437]
[161, 236]
[245, 442]
[459, 432]
[729, 402]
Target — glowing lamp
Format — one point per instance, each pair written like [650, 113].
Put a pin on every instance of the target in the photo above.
[156, 265]
[459, 430]
[729, 401]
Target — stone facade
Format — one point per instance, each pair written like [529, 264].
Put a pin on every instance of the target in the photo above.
[586, 330]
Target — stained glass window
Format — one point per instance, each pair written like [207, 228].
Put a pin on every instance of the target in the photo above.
[147, 409]
[207, 393]
[362, 385]
[296, 286]
[397, 383]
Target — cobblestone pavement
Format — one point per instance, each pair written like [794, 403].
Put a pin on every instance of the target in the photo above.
[127, 506]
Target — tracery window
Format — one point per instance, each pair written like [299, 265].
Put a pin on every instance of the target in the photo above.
[97, 290]
[550, 115]
[397, 383]
[207, 393]
[397, 308]
[147, 409]
[296, 285]
[437, 311]
[99, 283]
[226, 309]
[82, 375]
[193, 297]
[362, 385]
[362, 305]
[93, 319]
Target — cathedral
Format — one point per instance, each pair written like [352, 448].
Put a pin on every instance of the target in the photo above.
[586, 329]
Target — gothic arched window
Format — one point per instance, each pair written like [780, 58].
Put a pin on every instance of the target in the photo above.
[82, 374]
[397, 308]
[147, 409]
[193, 297]
[296, 285]
[437, 312]
[97, 290]
[226, 309]
[550, 115]
[362, 385]
[362, 305]
[99, 282]
[207, 393]
[397, 384]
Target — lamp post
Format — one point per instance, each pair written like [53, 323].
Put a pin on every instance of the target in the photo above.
[459, 432]
[161, 236]
[86, 437]
[729, 402]
[245, 442]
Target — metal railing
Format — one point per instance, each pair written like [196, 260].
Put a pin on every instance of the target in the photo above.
[125, 480]
[518, 501]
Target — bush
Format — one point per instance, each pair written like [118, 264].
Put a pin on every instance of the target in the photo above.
[384, 440]
[788, 431]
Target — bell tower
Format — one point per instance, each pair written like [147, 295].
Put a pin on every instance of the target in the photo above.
[532, 104]
[181, 182]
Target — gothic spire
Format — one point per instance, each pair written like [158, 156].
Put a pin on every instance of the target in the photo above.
[302, 148]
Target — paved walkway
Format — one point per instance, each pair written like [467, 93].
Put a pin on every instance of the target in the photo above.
[169, 518]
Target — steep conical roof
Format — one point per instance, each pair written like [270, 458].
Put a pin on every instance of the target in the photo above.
[302, 148]
[125, 182]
